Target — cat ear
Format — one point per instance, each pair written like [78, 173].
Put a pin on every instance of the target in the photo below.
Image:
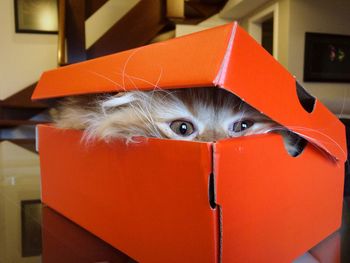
[124, 98]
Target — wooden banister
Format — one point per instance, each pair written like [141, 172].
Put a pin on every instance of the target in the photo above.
[61, 52]
[75, 31]
[136, 28]
[92, 6]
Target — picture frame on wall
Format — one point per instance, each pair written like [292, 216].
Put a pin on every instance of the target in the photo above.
[31, 228]
[36, 16]
[327, 58]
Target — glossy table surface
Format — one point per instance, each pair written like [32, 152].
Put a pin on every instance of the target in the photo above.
[32, 232]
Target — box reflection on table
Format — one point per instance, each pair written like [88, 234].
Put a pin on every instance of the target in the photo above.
[64, 241]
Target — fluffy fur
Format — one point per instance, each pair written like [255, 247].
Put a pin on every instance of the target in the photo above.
[208, 115]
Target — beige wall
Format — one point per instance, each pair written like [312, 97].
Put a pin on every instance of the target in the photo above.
[295, 17]
[22, 56]
[321, 16]
[283, 31]
[283, 26]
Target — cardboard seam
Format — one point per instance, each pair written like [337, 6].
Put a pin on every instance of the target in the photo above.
[37, 138]
[213, 168]
[220, 77]
[220, 247]
[211, 181]
[217, 206]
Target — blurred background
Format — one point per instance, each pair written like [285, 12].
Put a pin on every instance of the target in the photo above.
[38, 35]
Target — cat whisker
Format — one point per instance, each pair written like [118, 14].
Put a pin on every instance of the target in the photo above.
[325, 153]
[154, 85]
[147, 114]
[330, 140]
[140, 112]
[316, 143]
[126, 64]
[106, 78]
[159, 77]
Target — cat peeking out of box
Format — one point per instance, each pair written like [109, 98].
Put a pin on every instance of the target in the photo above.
[197, 114]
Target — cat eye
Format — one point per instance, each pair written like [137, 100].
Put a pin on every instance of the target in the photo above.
[242, 125]
[182, 128]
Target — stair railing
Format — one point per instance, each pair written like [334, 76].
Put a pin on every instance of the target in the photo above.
[61, 50]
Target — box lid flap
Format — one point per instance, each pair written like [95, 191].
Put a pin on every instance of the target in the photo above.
[224, 56]
[189, 61]
[257, 78]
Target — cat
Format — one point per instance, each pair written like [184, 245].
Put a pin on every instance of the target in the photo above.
[197, 114]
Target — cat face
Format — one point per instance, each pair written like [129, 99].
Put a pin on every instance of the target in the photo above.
[204, 114]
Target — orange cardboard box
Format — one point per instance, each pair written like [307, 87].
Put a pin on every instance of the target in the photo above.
[237, 200]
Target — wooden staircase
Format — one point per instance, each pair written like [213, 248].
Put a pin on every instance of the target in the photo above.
[15, 113]
[138, 27]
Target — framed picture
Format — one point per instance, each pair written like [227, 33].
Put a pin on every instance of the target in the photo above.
[36, 16]
[31, 228]
[327, 58]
